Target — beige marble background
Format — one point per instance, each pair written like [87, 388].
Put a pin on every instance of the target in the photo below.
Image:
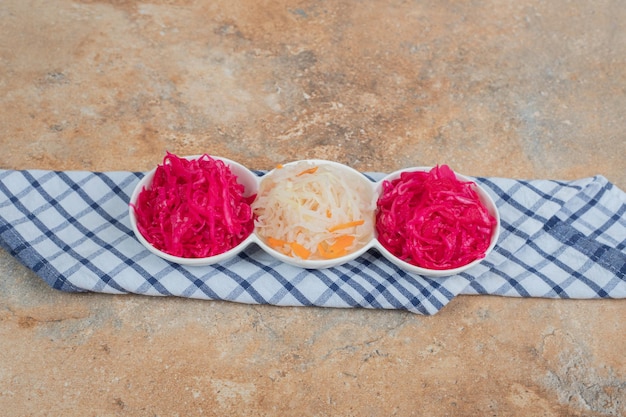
[523, 89]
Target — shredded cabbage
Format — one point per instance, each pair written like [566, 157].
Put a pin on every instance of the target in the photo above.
[314, 211]
[194, 208]
[433, 220]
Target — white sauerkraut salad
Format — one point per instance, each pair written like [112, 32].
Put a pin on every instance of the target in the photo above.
[314, 211]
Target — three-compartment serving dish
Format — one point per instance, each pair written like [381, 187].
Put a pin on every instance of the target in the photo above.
[365, 232]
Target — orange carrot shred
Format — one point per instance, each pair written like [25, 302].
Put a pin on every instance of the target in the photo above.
[307, 171]
[337, 249]
[346, 225]
[342, 242]
[275, 243]
[321, 248]
[300, 250]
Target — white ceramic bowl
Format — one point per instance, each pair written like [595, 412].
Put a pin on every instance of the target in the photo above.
[484, 198]
[244, 176]
[364, 184]
[372, 190]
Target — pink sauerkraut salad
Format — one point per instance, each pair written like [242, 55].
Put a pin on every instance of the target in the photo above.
[194, 208]
[433, 220]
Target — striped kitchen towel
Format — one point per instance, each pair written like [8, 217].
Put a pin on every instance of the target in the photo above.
[559, 239]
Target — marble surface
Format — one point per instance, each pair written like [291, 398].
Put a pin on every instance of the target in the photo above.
[521, 89]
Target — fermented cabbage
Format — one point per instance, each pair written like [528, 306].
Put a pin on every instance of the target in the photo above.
[433, 220]
[194, 208]
[314, 211]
